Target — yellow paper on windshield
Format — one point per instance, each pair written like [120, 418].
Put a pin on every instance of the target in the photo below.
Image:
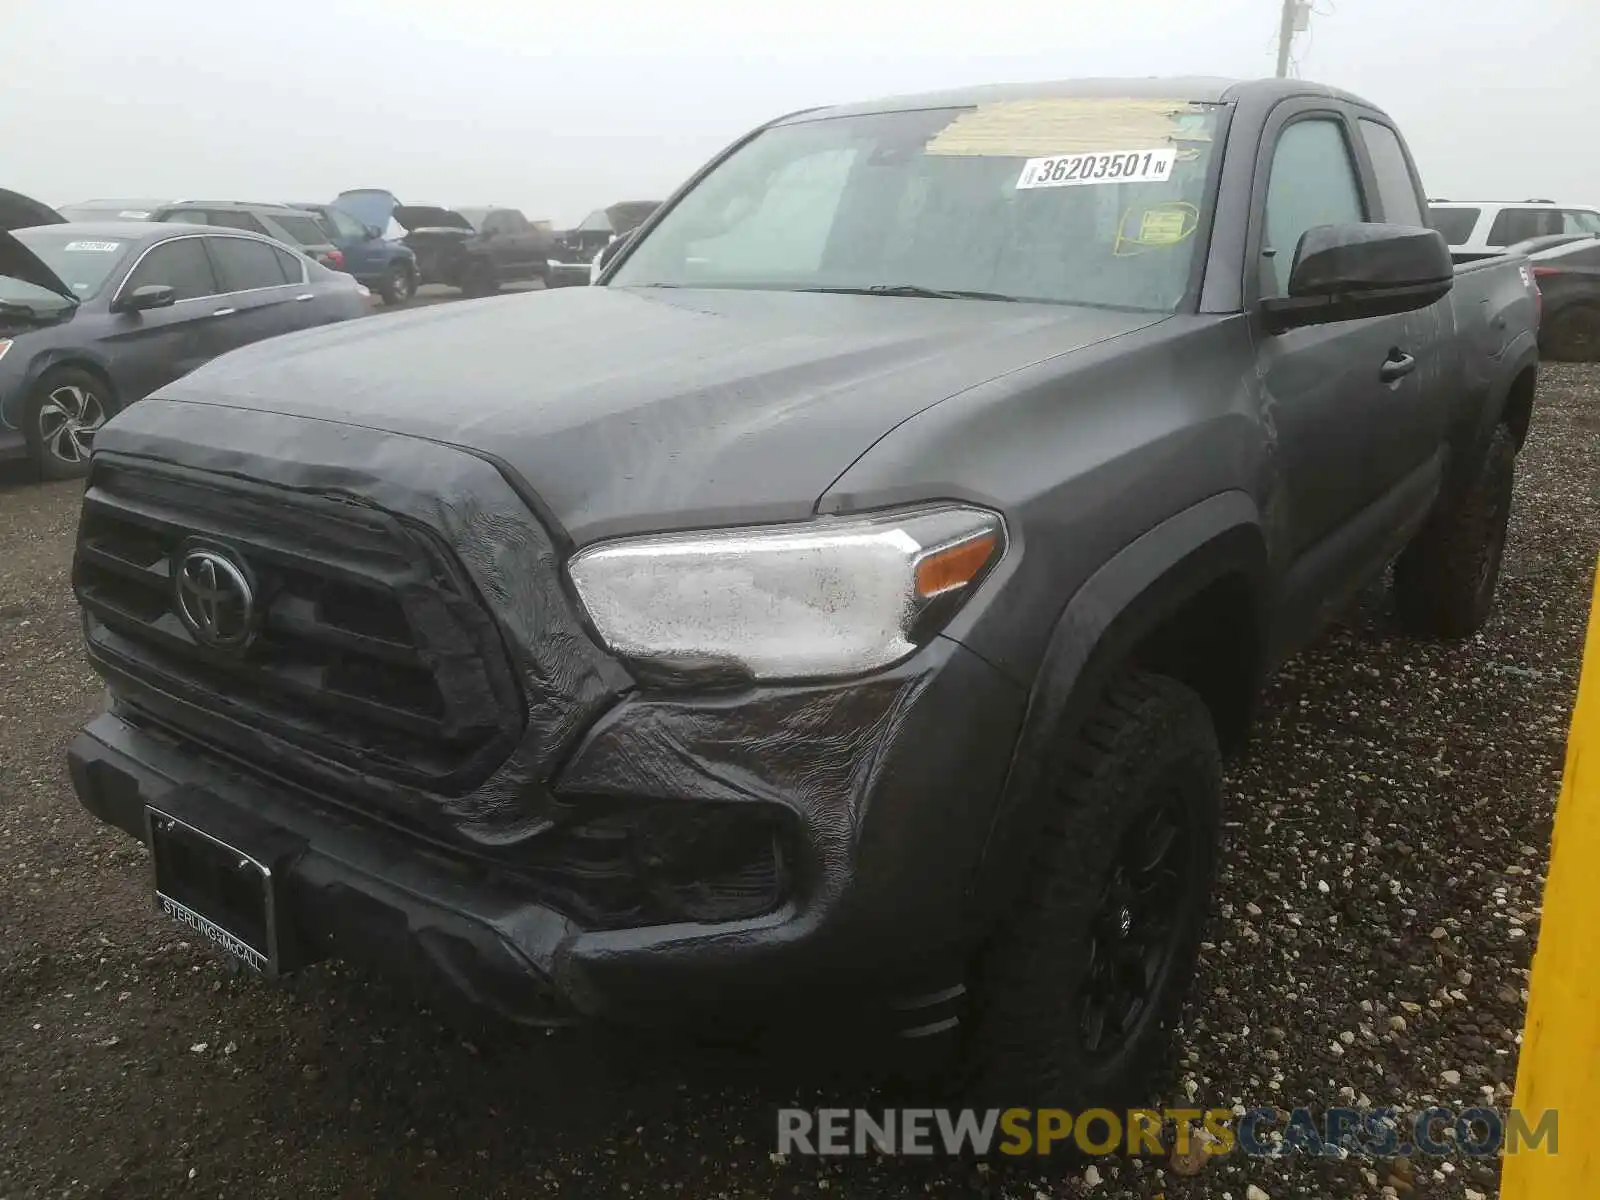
[1066, 125]
[1156, 227]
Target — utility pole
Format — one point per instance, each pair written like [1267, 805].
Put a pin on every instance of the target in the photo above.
[1286, 26]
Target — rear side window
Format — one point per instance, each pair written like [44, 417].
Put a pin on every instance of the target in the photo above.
[243, 264]
[300, 231]
[1456, 224]
[1313, 182]
[1517, 224]
[181, 265]
[1397, 187]
[1576, 220]
[233, 219]
[292, 266]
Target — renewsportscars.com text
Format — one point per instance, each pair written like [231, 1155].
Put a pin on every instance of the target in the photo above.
[1257, 1133]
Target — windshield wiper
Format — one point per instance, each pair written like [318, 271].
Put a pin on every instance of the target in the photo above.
[16, 308]
[912, 289]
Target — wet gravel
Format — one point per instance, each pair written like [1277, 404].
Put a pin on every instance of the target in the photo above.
[1384, 855]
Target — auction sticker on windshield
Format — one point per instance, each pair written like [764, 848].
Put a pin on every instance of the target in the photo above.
[99, 247]
[1116, 166]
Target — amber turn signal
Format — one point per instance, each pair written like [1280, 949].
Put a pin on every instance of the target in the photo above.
[954, 567]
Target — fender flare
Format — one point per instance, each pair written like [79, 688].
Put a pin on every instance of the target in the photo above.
[1520, 355]
[1128, 597]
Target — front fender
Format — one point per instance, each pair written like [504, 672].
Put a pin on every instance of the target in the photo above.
[1141, 586]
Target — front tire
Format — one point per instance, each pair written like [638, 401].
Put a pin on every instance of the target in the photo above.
[1444, 581]
[66, 408]
[1075, 997]
[399, 284]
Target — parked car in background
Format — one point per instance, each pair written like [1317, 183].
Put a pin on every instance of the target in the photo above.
[281, 222]
[576, 249]
[1569, 280]
[473, 249]
[1482, 229]
[114, 210]
[840, 615]
[95, 315]
[386, 265]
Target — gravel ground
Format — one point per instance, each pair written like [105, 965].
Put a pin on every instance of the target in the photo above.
[1384, 855]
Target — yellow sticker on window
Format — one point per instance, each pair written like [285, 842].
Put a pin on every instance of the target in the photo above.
[1156, 227]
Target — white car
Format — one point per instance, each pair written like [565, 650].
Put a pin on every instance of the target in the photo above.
[1484, 228]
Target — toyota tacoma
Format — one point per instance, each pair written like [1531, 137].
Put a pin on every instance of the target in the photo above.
[841, 611]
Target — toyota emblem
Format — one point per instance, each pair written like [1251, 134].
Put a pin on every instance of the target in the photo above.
[215, 599]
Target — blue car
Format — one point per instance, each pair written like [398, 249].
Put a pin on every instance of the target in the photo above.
[386, 266]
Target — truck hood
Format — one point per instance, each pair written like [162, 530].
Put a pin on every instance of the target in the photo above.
[429, 216]
[630, 410]
[370, 206]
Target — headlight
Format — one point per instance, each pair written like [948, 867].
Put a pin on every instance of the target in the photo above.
[834, 596]
[5, 344]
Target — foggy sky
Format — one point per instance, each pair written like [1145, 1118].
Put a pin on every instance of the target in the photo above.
[558, 109]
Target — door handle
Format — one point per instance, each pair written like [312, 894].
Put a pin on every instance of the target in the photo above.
[224, 312]
[1397, 366]
[303, 299]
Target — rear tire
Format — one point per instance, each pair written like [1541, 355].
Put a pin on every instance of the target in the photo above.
[1075, 997]
[1572, 334]
[1444, 581]
[399, 284]
[64, 410]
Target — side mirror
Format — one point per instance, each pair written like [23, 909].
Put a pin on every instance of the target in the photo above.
[374, 233]
[151, 295]
[1346, 272]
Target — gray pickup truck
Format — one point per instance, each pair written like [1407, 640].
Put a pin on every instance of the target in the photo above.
[840, 612]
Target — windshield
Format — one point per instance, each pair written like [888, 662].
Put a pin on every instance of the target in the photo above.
[83, 263]
[345, 225]
[1072, 201]
[475, 216]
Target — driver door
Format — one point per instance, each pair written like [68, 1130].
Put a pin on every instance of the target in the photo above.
[1343, 403]
[158, 345]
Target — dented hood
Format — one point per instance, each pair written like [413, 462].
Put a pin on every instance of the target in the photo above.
[630, 410]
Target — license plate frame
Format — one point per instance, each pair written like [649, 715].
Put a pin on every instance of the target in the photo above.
[229, 896]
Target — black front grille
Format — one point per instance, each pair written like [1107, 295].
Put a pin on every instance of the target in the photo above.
[372, 650]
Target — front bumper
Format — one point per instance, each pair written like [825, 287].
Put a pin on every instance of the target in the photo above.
[889, 784]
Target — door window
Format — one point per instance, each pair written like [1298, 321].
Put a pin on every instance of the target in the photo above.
[299, 231]
[1313, 182]
[1456, 224]
[1397, 187]
[293, 267]
[181, 265]
[244, 264]
[233, 219]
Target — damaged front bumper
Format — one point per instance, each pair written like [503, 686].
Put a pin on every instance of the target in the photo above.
[884, 787]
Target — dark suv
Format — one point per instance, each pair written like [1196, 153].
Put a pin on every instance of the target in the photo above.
[291, 226]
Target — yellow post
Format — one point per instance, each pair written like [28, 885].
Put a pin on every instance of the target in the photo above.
[1560, 1063]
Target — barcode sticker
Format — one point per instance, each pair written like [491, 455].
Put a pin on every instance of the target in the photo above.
[1114, 166]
